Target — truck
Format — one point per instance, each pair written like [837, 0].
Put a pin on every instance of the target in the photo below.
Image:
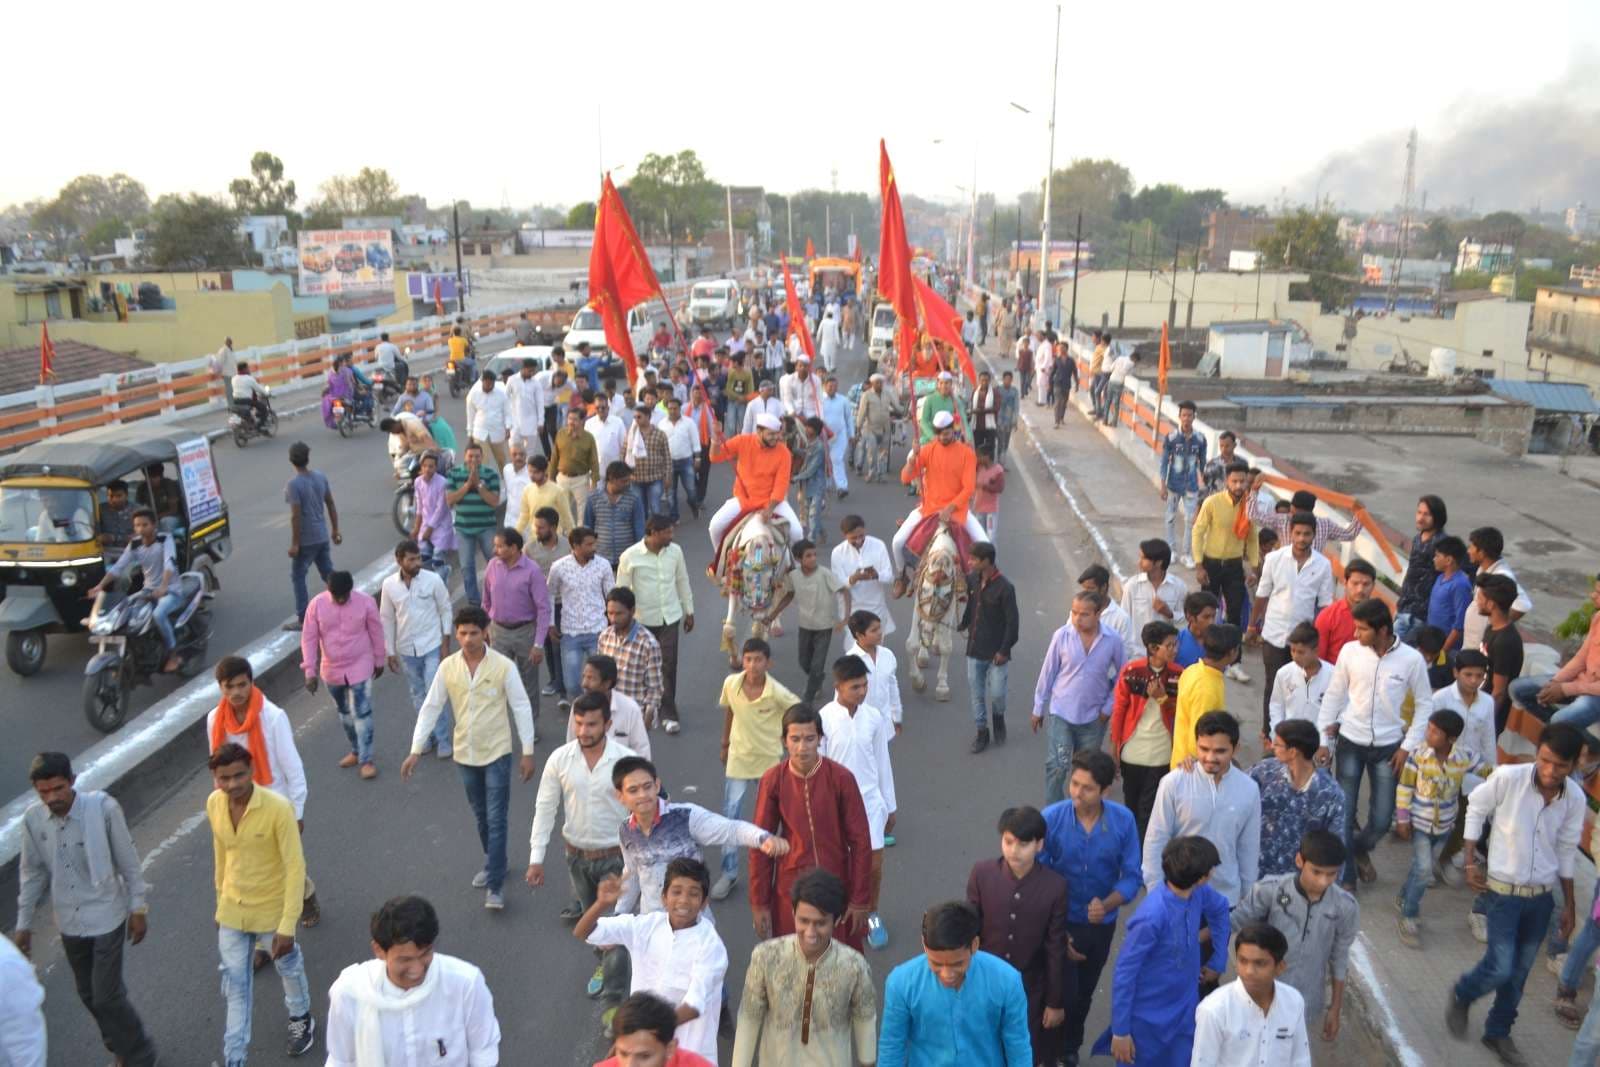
[714, 303]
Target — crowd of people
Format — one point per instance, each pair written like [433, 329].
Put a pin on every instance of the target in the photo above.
[1208, 865]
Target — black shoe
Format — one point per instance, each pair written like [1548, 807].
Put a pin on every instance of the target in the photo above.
[999, 723]
[302, 1035]
[1455, 1017]
[980, 742]
[1070, 1060]
[1506, 1049]
[843, 493]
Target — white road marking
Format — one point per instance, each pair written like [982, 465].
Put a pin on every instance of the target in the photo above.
[1403, 1052]
[185, 828]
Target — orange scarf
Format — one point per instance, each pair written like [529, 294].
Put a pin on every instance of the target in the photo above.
[260, 766]
[1241, 518]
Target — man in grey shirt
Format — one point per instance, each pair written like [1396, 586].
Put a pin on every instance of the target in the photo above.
[153, 554]
[76, 847]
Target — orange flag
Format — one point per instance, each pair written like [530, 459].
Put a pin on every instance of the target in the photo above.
[811, 249]
[438, 298]
[943, 323]
[620, 275]
[47, 354]
[856, 254]
[1165, 363]
[797, 319]
[894, 260]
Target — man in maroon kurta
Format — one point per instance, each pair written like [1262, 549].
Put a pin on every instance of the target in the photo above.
[815, 805]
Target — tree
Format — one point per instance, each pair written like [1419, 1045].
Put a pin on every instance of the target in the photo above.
[56, 219]
[581, 217]
[192, 232]
[265, 192]
[673, 190]
[370, 192]
[1095, 186]
[1310, 243]
[91, 199]
[1438, 238]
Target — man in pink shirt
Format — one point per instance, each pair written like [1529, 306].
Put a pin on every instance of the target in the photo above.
[1572, 694]
[344, 637]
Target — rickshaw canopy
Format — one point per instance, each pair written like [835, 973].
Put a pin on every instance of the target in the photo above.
[94, 456]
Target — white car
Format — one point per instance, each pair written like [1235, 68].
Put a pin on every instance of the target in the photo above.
[586, 326]
[881, 337]
[510, 361]
[714, 303]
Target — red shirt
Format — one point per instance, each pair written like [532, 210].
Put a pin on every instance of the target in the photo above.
[680, 1058]
[1335, 629]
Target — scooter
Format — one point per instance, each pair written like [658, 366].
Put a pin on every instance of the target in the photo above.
[247, 421]
[129, 646]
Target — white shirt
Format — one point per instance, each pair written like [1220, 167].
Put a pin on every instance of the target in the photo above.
[415, 617]
[487, 413]
[802, 399]
[1228, 814]
[769, 406]
[1294, 591]
[1478, 737]
[387, 353]
[243, 387]
[883, 682]
[1296, 696]
[627, 724]
[1366, 692]
[683, 438]
[867, 594]
[1475, 626]
[454, 1026]
[525, 397]
[513, 480]
[828, 337]
[22, 1033]
[283, 759]
[774, 354]
[1231, 1031]
[1533, 843]
[592, 812]
[860, 742]
[1120, 368]
[682, 967]
[608, 435]
[1113, 618]
[1138, 600]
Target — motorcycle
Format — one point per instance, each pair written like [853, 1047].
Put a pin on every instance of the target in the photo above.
[387, 386]
[129, 646]
[404, 508]
[358, 409]
[247, 421]
[462, 376]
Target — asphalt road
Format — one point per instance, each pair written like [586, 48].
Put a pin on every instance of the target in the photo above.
[367, 841]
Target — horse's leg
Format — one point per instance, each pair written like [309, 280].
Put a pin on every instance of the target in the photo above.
[916, 655]
[729, 632]
[941, 688]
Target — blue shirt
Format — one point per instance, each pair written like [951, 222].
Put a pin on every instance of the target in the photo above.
[982, 1024]
[310, 490]
[1095, 864]
[589, 367]
[1449, 600]
[616, 525]
[1182, 458]
[1078, 685]
[1190, 651]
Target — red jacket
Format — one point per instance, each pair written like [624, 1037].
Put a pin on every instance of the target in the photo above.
[1129, 699]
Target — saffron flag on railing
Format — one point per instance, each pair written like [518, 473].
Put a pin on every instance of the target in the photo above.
[620, 275]
[1165, 363]
[47, 354]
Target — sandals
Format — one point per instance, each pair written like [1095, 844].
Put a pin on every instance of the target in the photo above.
[1566, 1009]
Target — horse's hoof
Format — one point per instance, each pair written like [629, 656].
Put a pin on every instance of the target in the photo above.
[917, 683]
[942, 693]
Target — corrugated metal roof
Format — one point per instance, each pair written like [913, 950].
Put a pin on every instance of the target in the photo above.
[1562, 398]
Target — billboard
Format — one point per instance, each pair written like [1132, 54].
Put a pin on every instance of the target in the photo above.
[345, 261]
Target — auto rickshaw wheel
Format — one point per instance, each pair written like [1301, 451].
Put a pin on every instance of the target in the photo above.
[25, 651]
[105, 699]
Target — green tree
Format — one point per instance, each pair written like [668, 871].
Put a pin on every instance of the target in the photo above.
[1310, 243]
[370, 192]
[1439, 238]
[192, 232]
[581, 217]
[56, 219]
[1095, 186]
[673, 190]
[92, 199]
[265, 191]
[102, 236]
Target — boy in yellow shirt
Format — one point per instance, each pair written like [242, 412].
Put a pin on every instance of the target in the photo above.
[1201, 687]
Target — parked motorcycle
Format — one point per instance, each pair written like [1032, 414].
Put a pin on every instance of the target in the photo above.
[247, 421]
[129, 646]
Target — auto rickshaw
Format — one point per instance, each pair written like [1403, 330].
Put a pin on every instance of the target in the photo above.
[55, 523]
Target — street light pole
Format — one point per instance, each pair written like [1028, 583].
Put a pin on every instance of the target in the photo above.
[788, 205]
[1049, 174]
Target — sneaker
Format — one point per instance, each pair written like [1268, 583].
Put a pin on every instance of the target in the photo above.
[877, 933]
[1566, 1009]
[605, 1022]
[550, 690]
[723, 887]
[980, 742]
[671, 726]
[445, 752]
[999, 724]
[1236, 672]
[494, 901]
[597, 981]
[1455, 1017]
[293, 626]
[302, 1035]
[1506, 1049]
[1556, 964]
[310, 911]
[1364, 868]
[1445, 875]
[1410, 935]
[1480, 927]
[888, 841]
[1188, 561]
[480, 880]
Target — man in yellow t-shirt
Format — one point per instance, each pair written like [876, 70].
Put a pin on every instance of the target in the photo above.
[1201, 688]
[753, 704]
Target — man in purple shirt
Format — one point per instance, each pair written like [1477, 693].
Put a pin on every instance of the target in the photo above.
[1075, 688]
[518, 603]
[344, 636]
[434, 527]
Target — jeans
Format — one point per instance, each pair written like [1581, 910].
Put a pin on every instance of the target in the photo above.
[575, 648]
[1586, 1048]
[814, 659]
[168, 606]
[1273, 659]
[438, 560]
[1425, 849]
[586, 876]
[472, 546]
[1003, 442]
[650, 493]
[236, 949]
[736, 411]
[1406, 625]
[1351, 761]
[1112, 402]
[322, 557]
[1097, 393]
[812, 504]
[1189, 503]
[419, 672]
[1516, 927]
[1582, 712]
[682, 477]
[734, 792]
[489, 792]
[986, 681]
[357, 724]
[1065, 738]
[97, 971]
[1581, 950]
[1224, 578]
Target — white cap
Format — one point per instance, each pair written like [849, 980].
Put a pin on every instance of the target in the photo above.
[943, 419]
[802, 358]
[876, 378]
[946, 376]
[768, 421]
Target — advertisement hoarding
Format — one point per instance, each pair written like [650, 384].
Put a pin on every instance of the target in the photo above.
[345, 261]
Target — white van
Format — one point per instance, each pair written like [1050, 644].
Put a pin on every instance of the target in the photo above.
[881, 337]
[586, 326]
[714, 303]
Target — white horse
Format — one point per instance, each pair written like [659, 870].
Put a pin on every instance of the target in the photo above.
[938, 596]
[754, 559]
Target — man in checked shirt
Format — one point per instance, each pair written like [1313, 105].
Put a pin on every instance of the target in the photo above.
[636, 651]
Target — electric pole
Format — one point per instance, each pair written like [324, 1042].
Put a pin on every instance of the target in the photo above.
[1049, 174]
[1405, 218]
[1172, 303]
[1127, 265]
[1077, 242]
[461, 289]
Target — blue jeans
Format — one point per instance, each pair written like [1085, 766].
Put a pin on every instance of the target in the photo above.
[236, 950]
[1425, 849]
[736, 410]
[1178, 537]
[1516, 927]
[1406, 625]
[734, 792]
[419, 671]
[358, 723]
[575, 648]
[489, 792]
[320, 555]
[682, 478]
[1351, 761]
[472, 546]
[165, 608]
[987, 684]
[1581, 950]
[650, 493]
[1065, 738]
[1582, 712]
[437, 560]
[1586, 1048]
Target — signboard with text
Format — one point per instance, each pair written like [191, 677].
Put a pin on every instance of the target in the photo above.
[200, 488]
[345, 261]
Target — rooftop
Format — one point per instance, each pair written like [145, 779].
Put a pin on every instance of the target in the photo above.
[75, 361]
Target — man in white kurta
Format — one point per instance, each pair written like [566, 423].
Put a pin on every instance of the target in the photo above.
[801, 392]
[856, 735]
[683, 967]
[883, 681]
[525, 400]
[829, 341]
[1043, 359]
[608, 431]
[861, 563]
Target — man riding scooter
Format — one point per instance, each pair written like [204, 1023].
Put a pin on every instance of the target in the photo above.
[154, 555]
[249, 396]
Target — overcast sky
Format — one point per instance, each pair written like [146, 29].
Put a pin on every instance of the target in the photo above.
[508, 101]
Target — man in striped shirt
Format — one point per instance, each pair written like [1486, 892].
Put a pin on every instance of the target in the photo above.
[1263, 513]
[636, 651]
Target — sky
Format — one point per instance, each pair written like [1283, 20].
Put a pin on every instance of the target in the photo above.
[522, 103]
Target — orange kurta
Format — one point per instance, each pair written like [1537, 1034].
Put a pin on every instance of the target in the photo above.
[760, 474]
[949, 474]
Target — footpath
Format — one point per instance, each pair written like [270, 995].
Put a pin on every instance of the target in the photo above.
[1397, 993]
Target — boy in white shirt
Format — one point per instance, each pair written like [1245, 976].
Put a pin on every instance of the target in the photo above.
[1472, 702]
[1096, 578]
[675, 953]
[856, 735]
[627, 718]
[1154, 594]
[1256, 1021]
[1299, 684]
[883, 682]
[410, 1004]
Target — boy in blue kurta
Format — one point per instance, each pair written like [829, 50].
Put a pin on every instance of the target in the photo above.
[1156, 986]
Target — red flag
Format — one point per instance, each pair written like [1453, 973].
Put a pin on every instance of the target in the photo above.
[811, 249]
[620, 275]
[797, 320]
[942, 323]
[438, 298]
[894, 259]
[47, 354]
[1165, 363]
[856, 253]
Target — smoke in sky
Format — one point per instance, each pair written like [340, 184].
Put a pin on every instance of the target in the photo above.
[1496, 156]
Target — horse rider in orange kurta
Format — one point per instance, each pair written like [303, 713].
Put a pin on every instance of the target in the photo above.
[762, 465]
[949, 471]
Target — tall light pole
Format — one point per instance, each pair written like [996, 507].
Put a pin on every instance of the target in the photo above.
[788, 205]
[1050, 170]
